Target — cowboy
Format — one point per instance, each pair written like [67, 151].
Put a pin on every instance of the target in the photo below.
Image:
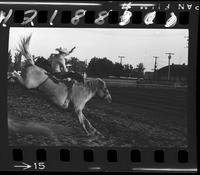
[58, 60]
[59, 68]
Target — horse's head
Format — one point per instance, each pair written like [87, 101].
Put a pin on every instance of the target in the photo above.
[102, 90]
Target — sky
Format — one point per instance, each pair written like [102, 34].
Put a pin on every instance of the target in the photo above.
[136, 45]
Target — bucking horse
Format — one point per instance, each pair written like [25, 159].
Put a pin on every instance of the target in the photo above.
[33, 76]
[56, 66]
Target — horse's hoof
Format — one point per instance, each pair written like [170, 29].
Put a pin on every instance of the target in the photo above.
[92, 133]
[99, 134]
[88, 134]
[102, 136]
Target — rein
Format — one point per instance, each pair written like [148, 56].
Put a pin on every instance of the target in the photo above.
[43, 82]
[49, 76]
[57, 81]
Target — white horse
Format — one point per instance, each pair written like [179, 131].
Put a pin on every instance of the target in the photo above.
[79, 94]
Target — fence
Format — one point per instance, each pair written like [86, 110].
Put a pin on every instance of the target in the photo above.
[137, 84]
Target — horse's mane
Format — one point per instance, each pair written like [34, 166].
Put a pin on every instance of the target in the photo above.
[94, 84]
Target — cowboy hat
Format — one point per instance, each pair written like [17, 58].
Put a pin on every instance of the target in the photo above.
[62, 50]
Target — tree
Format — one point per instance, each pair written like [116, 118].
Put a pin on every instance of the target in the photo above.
[17, 61]
[43, 63]
[127, 69]
[77, 65]
[140, 70]
[92, 69]
[118, 70]
[10, 63]
[99, 67]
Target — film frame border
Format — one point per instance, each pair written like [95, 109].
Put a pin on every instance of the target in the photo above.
[100, 162]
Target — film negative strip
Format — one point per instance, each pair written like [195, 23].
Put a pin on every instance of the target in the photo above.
[98, 86]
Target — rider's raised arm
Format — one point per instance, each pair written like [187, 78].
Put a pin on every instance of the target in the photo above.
[72, 50]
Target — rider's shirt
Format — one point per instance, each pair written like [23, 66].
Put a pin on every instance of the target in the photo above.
[58, 63]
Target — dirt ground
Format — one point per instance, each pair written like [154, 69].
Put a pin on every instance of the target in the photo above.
[136, 118]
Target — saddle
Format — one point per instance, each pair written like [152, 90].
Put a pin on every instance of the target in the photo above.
[73, 75]
[68, 83]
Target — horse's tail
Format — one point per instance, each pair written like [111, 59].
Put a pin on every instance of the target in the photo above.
[24, 49]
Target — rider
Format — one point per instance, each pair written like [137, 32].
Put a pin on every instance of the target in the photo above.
[58, 60]
[59, 68]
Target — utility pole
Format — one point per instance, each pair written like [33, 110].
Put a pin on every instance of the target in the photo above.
[86, 61]
[121, 57]
[169, 57]
[155, 67]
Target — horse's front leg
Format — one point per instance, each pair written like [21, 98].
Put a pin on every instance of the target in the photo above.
[92, 128]
[85, 123]
[81, 120]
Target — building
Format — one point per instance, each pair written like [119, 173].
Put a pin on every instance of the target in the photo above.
[148, 75]
[178, 73]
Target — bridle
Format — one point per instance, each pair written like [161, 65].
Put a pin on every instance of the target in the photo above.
[105, 94]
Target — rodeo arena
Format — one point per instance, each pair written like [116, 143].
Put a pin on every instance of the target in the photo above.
[61, 101]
